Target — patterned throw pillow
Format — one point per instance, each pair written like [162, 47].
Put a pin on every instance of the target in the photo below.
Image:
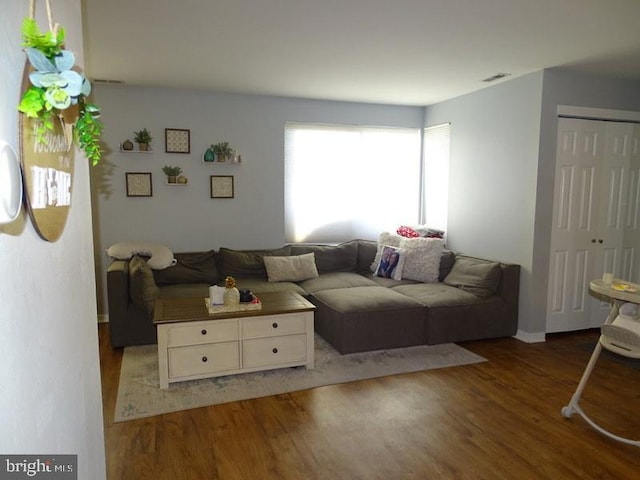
[407, 232]
[391, 263]
[384, 239]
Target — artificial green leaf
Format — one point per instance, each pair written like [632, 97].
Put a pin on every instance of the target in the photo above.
[45, 43]
[32, 102]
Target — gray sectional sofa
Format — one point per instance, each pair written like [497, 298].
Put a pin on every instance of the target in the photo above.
[356, 310]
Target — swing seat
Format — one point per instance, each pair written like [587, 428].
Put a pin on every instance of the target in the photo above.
[622, 336]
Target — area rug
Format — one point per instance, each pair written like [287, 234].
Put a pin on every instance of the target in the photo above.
[139, 395]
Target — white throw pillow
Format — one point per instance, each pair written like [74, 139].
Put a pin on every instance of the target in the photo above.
[291, 269]
[422, 262]
[385, 239]
[161, 256]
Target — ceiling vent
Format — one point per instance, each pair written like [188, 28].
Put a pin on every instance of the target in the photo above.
[103, 80]
[497, 76]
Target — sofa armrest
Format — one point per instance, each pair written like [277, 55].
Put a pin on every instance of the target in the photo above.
[128, 323]
[118, 287]
[509, 287]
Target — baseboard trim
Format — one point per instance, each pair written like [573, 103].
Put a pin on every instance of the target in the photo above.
[527, 337]
[103, 318]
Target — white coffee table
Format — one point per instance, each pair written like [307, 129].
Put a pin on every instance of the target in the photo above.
[194, 344]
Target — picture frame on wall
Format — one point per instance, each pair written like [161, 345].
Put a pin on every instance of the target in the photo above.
[222, 186]
[139, 184]
[177, 140]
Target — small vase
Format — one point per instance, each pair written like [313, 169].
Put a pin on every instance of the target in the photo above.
[209, 156]
[231, 296]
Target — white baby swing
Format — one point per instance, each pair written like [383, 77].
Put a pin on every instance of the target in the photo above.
[619, 334]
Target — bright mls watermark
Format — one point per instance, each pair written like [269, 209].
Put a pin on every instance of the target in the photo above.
[44, 467]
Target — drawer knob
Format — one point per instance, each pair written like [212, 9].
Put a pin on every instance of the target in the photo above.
[275, 350]
[203, 331]
[204, 359]
[274, 325]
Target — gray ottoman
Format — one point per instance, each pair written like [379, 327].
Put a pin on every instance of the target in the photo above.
[359, 319]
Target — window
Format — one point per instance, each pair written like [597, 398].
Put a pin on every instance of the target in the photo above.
[436, 176]
[344, 182]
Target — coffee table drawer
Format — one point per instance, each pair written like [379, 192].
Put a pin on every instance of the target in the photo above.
[202, 332]
[261, 352]
[273, 325]
[203, 359]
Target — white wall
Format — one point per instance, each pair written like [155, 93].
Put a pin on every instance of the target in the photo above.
[493, 170]
[50, 400]
[186, 218]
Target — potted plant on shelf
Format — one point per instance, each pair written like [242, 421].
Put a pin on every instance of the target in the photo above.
[171, 173]
[222, 150]
[143, 139]
[57, 92]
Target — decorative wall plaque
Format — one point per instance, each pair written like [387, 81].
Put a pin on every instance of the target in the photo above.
[47, 165]
[177, 140]
[139, 184]
[222, 186]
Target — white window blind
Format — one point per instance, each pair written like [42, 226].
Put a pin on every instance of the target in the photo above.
[346, 182]
[436, 176]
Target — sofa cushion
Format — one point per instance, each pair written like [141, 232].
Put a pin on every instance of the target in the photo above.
[387, 282]
[366, 299]
[437, 294]
[259, 285]
[333, 280]
[246, 263]
[196, 267]
[142, 287]
[331, 258]
[366, 254]
[293, 268]
[446, 264]
[360, 319]
[474, 275]
[423, 258]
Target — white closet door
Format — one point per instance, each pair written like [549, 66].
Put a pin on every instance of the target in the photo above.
[631, 244]
[613, 199]
[596, 199]
[575, 212]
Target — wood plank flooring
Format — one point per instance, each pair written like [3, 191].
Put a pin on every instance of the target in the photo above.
[495, 420]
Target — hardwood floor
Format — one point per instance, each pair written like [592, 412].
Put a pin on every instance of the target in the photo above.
[494, 420]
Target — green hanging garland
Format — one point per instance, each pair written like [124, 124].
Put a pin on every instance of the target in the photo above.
[55, 87]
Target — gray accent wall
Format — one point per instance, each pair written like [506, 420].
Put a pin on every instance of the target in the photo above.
[503, 143]
[564, 87]
[493, 171]
[185, 218]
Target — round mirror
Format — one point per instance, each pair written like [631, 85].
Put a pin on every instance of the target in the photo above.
[10, 184]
